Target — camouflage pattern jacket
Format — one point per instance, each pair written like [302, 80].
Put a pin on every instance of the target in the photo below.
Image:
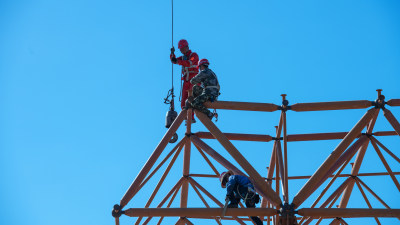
[208, 81]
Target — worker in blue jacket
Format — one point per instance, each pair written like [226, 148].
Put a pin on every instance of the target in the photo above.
[240, 187]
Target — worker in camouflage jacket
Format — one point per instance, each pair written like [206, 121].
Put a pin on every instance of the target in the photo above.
[208, 89]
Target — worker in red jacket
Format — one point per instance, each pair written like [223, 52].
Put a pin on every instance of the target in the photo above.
[188, 61]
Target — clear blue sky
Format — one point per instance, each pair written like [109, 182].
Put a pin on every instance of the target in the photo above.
[82, 86]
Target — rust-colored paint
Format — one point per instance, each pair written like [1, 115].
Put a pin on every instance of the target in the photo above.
[309, 187]
[319, 106]
[263, 188]
[247, 106]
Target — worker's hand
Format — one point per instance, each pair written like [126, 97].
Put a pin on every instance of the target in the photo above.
[172, 50]
[174, 60]
[227, 198]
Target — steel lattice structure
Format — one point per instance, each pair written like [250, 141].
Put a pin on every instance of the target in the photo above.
[273, 210]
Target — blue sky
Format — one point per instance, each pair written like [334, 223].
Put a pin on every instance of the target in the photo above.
[82, 86]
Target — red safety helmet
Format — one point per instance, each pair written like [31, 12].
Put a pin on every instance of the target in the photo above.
[202, 62]
[224, 178]
[182, 43]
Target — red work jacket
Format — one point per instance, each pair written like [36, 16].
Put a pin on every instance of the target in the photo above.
[189, 65]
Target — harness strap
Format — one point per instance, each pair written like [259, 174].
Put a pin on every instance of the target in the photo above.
[249, 189]
[213, 87]
[186, 70]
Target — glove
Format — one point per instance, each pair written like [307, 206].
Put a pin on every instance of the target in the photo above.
[172, 50]
[174, 60]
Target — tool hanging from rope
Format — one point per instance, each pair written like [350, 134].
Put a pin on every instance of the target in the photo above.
[171, 114]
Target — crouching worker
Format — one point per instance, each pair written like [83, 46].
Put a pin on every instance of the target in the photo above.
[240, 187]
[208, 89]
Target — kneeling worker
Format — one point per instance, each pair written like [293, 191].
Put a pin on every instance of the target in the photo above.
[240, 187]
[209, 89]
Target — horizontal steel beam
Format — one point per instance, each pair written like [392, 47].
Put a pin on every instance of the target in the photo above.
[319, 106]
[348, 212]
[198, 212]
[393, 102]
[237, 137]
[307, 177]
[247, 106]
[298, 107]
[290, 137]
[344, 175]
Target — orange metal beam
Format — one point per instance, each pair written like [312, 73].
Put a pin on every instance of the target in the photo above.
[354, 171]
[384, 148]
[337, 192]
[203, 175]
[345, 157]
[160, 182]
[195, 184]
[318, 106]
[208, 161]
[317, 136]
[198, 212]
[389, 170]
[345, 175]
[271, 167]
[281, 167]
[329, 184]
[290, 137]
[215, 155]
[384, 133]
[366, 200]
[132, 190]
[308, 188]
[331, 199]
[285, 156]
[225, 218]
[169, 204]
[203, 200]
[263, 188]
[248, 106]
[393, 102]
[162, 163]
[372, 192]
[237, 137]
[348, 213]
[186, 160]
[173, 191]
[307, 177]
[298, 107]
[392, 120]
[270, 174]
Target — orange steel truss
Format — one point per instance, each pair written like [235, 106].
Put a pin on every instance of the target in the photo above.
[273, 208]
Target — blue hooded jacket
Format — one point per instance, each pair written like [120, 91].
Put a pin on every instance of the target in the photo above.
[235, 180]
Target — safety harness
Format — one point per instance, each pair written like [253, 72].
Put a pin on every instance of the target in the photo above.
[215, 86]
[249, 190]
[185, 70]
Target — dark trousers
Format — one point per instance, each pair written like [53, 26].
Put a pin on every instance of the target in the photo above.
[250, 202]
